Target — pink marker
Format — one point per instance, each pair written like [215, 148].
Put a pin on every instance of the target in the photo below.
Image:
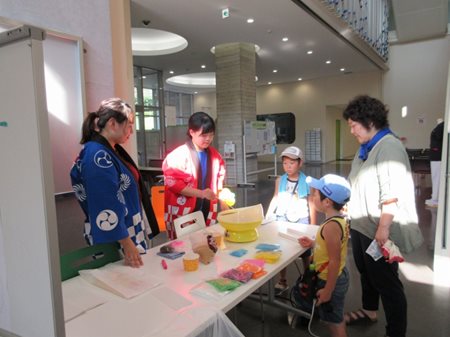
[164, 264]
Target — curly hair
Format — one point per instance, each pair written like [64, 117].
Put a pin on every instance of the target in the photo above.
[368, 111]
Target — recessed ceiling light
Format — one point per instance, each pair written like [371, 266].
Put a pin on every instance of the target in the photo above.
[250, 20]
[342, 69]
[144, 76]
[285, 39]
[195, 92]
[309, 52]
[300, 79]
[197, 80]
[171, 72]
[152, 42]
[275, 71]
[269, 83]
[327, 61]
[256, 78]
[203, 66]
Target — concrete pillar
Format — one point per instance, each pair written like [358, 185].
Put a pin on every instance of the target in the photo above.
[236, 102]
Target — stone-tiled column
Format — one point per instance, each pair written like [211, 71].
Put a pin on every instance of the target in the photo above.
[236, 102]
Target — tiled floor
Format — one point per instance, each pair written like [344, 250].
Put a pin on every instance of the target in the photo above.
[428, 305]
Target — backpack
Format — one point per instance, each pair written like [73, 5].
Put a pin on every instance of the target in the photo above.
[304, 291]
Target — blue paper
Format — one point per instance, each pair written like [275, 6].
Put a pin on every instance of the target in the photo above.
[171, 256]
[239, 252]
[267, 247]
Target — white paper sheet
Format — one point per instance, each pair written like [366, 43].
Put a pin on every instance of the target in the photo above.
[77, 300]
[295, 233]
[121, 280]
[171, 298]
[139, 317]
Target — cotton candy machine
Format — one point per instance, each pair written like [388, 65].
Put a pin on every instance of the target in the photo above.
[241, 223]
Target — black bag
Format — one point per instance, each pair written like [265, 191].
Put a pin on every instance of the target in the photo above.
[304, 291]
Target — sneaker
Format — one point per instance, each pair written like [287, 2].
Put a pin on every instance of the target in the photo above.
[431, 203]
[281, 287]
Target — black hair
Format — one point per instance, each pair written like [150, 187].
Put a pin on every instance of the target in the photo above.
[96, 121]
[298, 159]
[201, 121]
[336, 206]
[368, 111]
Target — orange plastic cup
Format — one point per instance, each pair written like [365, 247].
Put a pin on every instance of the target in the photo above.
[190, 261]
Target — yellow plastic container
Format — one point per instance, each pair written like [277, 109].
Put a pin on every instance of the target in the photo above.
[269, 257]
[241, 223]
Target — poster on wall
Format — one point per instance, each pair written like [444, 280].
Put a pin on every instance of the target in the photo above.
[260, 137]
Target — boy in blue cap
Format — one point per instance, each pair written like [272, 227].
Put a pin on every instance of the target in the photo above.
[330, 194]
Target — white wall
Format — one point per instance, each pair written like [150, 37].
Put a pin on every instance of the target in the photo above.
[308, 101]
[207, 103]
[417, 79]
[84, 18]
[348, 143]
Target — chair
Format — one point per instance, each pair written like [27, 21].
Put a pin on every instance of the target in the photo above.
[189, 223]
[157, 199]
[90, 257]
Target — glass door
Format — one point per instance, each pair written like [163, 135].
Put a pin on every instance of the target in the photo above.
[149, 116]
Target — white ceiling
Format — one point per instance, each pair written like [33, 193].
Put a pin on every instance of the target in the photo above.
[420, 19]
[200, 22]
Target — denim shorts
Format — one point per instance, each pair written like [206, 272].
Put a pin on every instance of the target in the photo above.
[333, 311]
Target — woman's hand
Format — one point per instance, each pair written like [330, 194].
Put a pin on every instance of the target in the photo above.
[382, 235]
[305, 241]
[208, 194]
[132, 256]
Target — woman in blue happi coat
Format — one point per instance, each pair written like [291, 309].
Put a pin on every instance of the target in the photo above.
[108, 185]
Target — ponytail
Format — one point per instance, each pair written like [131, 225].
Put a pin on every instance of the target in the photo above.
[109, 108]
[89, 128]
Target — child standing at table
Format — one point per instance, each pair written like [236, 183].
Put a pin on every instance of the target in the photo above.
[329, 195]
[291, 200]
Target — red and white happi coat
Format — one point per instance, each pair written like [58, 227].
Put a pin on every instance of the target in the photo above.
[181, 168]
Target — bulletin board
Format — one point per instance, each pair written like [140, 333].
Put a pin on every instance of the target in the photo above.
[260, 137]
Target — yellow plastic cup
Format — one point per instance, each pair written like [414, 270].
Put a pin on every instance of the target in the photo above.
[190, 261]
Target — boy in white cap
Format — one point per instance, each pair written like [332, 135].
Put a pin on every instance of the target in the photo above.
[291, 201]
[329, 195]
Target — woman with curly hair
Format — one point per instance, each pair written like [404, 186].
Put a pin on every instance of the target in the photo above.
[382, 210]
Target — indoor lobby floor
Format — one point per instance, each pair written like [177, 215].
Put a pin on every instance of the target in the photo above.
[428, 305]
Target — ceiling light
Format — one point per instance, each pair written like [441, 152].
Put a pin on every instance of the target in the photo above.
[250, 20]
[404, 111]
[300, 79]
[171, 72]
[257, 49]
[275, 71]
[327, 61]
[144, 76]
[203, 66]
[152, 42]
[196, 80]
[342, 69]
[256, 78]
[285, 39]
[195, 92]
[309, 52]
[269, 83]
